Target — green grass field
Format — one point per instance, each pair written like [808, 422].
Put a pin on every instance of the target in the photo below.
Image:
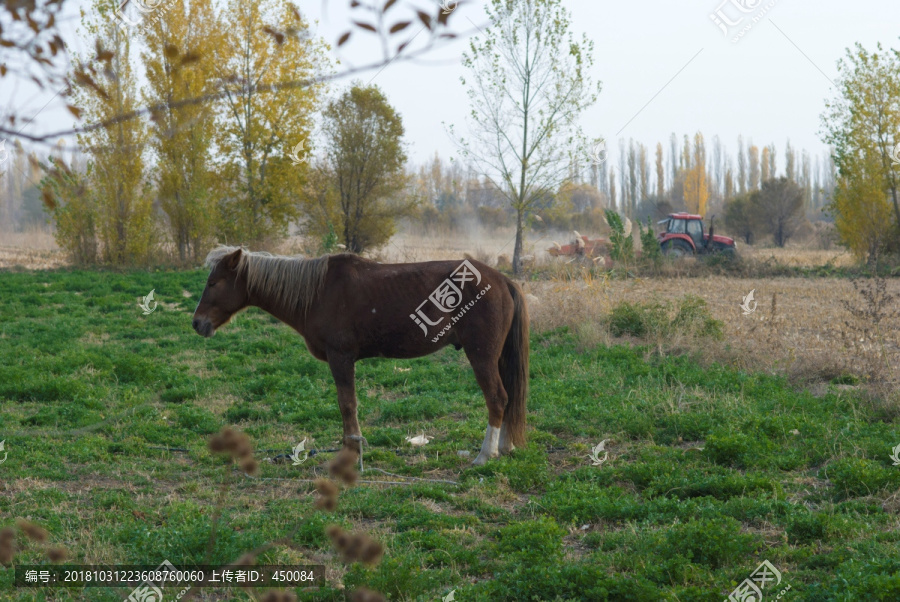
[709, 472]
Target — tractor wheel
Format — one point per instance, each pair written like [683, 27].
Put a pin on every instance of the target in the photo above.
[676, 248]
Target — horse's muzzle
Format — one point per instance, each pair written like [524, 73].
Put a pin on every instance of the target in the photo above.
[203, 327]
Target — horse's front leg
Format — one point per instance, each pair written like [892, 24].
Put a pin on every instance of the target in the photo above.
[343, 370]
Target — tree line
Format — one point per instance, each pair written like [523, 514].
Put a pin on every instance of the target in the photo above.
[687, 173]
[754, 200]
[236, 166]
[235, 170]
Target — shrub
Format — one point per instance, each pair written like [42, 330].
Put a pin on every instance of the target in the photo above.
[693, 318]
[492, 217]
[329, 241]
[651, 320]
[650, 249]
[729, 450]
[712, 543]
[621, 240]
[540, 539]
[637, 319]
[859, 476]
[73, 211]
[806, 528]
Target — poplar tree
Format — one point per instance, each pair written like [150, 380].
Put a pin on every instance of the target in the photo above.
[660, 173]
[179, 63]
[117, 194]
[753, 155]
[527, 84]
[696, 192]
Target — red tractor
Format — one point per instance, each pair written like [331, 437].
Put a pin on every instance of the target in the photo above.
[684, 236]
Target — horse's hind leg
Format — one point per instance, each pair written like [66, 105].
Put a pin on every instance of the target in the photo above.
[344, 373]
[488, 376]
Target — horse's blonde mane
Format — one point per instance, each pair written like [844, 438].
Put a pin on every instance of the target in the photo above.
[291, 282]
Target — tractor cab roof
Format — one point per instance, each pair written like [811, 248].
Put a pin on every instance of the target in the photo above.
[685, 216]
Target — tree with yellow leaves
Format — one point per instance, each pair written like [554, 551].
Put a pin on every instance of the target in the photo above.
[696, 193]
[863, 125]
[179, 65]
[263, 133]
[115, 195]
[862, 210]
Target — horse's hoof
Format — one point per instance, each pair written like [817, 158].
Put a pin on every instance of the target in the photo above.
[481, 460]
[505, 445]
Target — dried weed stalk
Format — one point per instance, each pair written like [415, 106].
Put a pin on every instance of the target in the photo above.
[871, 326]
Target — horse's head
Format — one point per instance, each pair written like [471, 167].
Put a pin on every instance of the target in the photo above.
[225, 295]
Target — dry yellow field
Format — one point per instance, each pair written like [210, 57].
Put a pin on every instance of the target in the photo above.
[800, 326]
[33, 250]
[488, 246]
[16, 257]
[794, 256]
[406, 247]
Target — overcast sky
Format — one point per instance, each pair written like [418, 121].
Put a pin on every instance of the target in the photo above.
[664, 66]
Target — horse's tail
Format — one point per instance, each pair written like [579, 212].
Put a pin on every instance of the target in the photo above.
[514, 368]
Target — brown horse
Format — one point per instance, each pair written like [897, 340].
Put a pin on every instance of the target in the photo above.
[348, 308]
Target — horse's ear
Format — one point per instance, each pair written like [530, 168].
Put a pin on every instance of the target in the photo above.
[232, 260]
